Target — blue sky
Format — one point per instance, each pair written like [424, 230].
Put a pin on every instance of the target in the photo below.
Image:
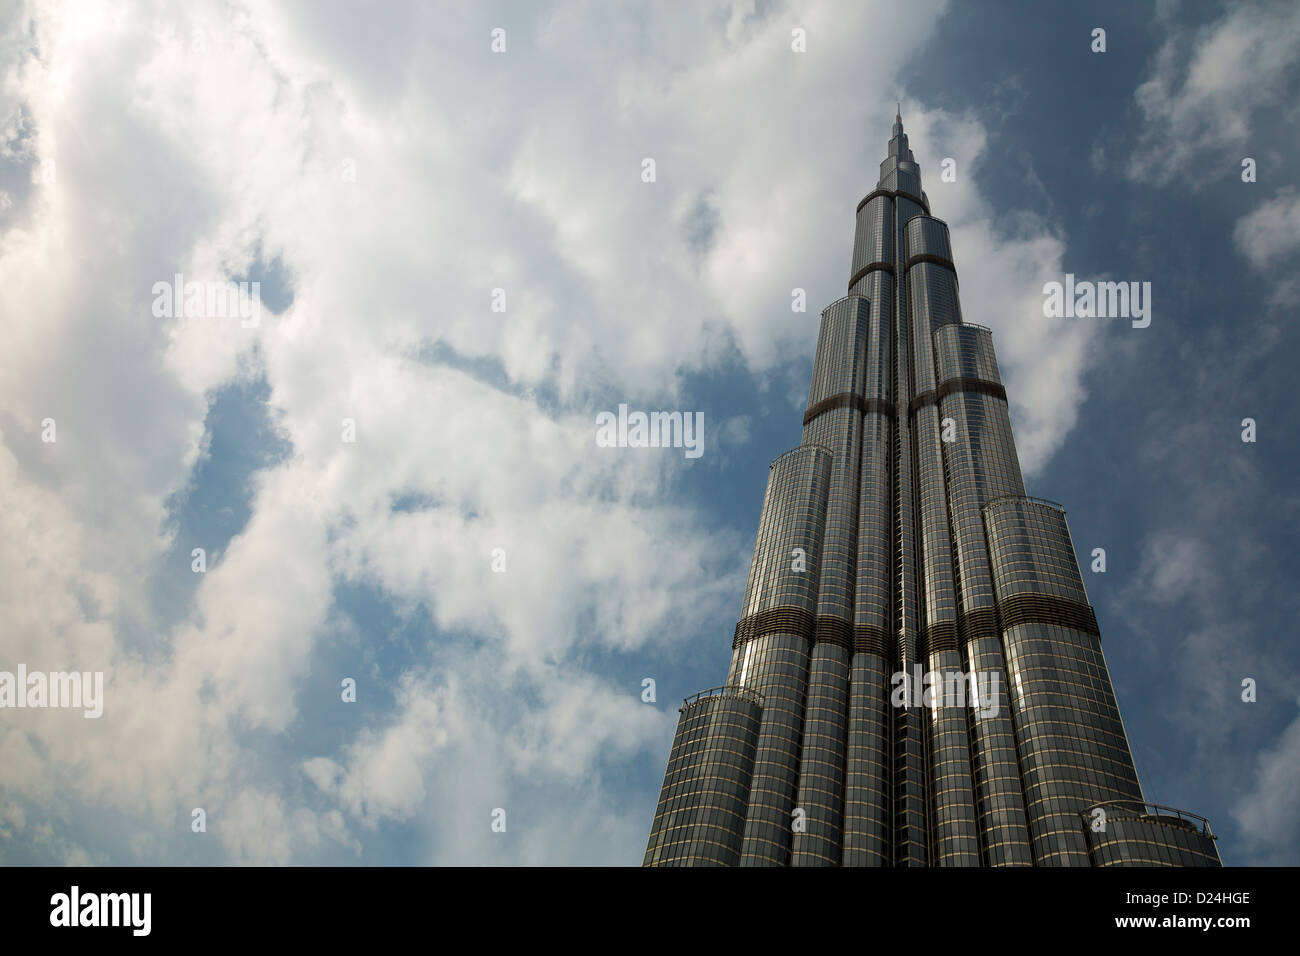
[380, 173]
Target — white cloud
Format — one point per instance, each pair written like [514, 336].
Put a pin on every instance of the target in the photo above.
[1270, 232]
[1269, 813]
[1203, 91]
[1176, 567]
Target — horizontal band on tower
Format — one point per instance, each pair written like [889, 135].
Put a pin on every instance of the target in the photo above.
[921, 257]
[1047, 609]
[893, 194]
[941, 636]
[784, 619]
[936, 395]
[851, 400]
[869, 638]
[978, 622]
[822, 629]
[869, 268]
[833, 630]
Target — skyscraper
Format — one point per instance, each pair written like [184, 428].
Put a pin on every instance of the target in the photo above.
[896, 543]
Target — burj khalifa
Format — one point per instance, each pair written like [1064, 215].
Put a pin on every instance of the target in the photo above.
[917, 676]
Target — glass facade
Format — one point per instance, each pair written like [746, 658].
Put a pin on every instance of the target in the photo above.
[917, 676]
[702, 807]
[1131, 833]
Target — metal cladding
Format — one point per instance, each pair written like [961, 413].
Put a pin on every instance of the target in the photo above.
[773, 640]
[705, 796]
[1131, 833]
[917, 676]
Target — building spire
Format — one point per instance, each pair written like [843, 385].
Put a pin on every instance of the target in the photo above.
[898, 139]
